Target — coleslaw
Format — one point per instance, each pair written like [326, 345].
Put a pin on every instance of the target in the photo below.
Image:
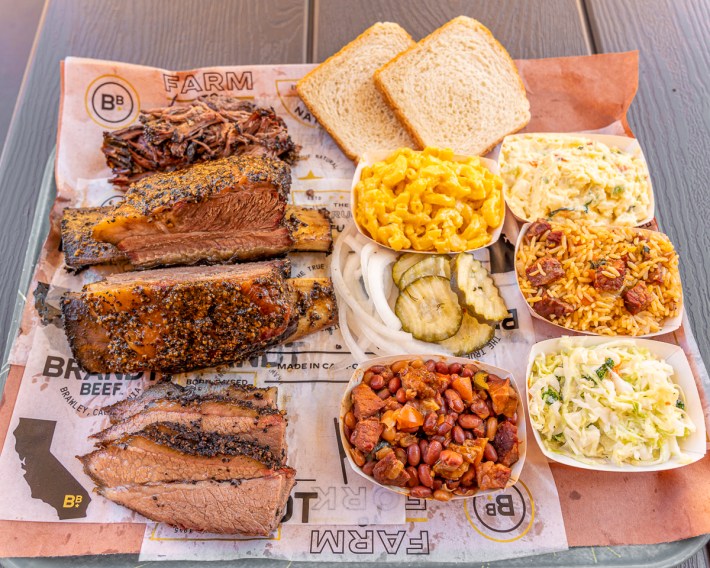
[612, 402]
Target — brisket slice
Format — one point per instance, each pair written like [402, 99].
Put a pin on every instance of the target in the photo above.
[210, 127]
[309, 230]
[79, 246]
[264, 426]
[252, 507]
[171, 452]
[181, 319]
[224, 389]
[226, 193]
[150, 251]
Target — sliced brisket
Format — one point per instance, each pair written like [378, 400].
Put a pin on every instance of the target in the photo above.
[170, 452]
[251, 507]
[264, 426]
[224, 389]
[193, 317]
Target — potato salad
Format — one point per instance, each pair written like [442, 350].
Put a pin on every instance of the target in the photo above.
[548, 174]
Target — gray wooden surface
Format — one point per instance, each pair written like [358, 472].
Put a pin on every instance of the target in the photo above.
[529, 29]
[670, 114]
[671, 118]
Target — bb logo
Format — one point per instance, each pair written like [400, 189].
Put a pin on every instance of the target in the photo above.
[111, 101]
[503, 517]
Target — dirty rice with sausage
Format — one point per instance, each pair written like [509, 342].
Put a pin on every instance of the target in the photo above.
[605, 280]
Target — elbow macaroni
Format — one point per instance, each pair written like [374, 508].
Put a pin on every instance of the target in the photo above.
[425, 201]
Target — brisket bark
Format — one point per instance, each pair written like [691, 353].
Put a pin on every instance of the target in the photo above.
[309, 231]
[175, 320]
[170, 452]
[211, 127]
[221, 389]
[264, 426]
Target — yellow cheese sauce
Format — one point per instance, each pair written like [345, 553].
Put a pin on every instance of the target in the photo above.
[429, 201]
[546, 174]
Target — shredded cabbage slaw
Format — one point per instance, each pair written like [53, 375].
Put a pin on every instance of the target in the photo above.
[614, 402]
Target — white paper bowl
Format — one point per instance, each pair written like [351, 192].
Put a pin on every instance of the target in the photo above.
[356, 379]
[669, 325]
[624, 143]
[693, 446]
[370, 158]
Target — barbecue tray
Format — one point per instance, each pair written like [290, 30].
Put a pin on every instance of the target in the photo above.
[650, 556]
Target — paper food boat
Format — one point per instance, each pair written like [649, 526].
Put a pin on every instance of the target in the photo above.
[626, 144]
[693, 445]
[356, 379]
[370, 158]
[669, 325]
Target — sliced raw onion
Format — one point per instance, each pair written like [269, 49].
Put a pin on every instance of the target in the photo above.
[361, 320]
[357, 350]
[367, 251]
[377, 270]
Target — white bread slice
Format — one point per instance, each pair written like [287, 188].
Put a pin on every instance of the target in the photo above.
[341, 93]
[457, 88]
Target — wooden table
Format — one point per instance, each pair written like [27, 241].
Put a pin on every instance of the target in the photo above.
[670, 115]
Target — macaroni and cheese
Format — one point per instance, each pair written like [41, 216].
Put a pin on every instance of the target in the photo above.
[427, 201]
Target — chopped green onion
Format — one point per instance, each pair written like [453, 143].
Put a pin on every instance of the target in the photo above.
[550, 395]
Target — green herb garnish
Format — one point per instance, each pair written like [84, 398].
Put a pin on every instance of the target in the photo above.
[617, 190]
[550, 395]
[556, 211]
[378, 447]
[604, 369]
[559, 438]
[680, 404]
[597, 263]
[586, 205]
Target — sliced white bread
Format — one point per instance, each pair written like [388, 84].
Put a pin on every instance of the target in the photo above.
[457, 88]
[341, 93]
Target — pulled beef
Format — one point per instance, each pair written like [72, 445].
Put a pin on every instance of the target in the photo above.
[390, 471]
[537, 229]
[554, 237]
[366, 434]
[420, 381]
[213, 126]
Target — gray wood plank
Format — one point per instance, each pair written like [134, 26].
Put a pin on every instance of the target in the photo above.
[174, 34]
[530, 29]
[16, 36]
[671, 118]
